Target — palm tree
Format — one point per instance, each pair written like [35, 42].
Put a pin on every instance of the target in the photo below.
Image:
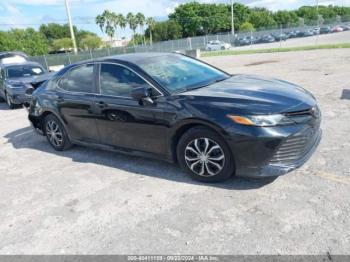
[132, 24]
[140, 18]
[114, 21]
[121, 21]
[109, 26]
[151, 24]
[100, 21]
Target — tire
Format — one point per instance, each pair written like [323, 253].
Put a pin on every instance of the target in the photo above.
[9, 102]
[55, 133]
[200, 166]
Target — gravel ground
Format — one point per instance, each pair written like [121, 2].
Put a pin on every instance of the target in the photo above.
[95, 202]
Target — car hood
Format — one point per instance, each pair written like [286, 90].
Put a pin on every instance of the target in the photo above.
[34, 80]
[255, 95]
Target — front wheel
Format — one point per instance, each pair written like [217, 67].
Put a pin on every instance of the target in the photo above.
[9, 101]
[205, 156]
[56, 134]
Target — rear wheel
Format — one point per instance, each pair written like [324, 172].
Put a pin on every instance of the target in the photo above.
[205, 156]
[56, 134]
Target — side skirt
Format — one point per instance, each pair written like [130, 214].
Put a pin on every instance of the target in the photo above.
[125, 151]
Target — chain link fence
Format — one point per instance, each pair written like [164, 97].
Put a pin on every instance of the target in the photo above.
[198, 42]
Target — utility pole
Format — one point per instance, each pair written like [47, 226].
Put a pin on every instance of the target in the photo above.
[232, 19]
[318, 22]
[318, 16]
[71, 28]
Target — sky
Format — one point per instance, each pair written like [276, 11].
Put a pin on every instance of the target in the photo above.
[32, 13]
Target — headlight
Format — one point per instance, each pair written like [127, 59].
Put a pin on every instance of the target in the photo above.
[262, 120]
[16, 86]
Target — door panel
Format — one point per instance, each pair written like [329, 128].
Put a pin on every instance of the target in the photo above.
[77, 111]
[75, 101]
[124, 123]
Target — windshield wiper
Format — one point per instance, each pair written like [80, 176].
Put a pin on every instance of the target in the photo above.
[208, 84]
[199, 86]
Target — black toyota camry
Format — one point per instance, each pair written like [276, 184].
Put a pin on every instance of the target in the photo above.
[179, 109]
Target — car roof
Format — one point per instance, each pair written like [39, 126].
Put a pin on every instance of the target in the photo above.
[21, 63]
[6, 54]
[133, 58]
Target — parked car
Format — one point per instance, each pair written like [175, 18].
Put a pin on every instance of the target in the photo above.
[337, 29]
[280, 37]
[292, 34]
[316, 30]
[345, 27]
[217, 45]
[12, 57]
[325, 30]
[16, 78]
[246, 40]
[266, 39]
[180, 109]
[309, 32]
[300, 33]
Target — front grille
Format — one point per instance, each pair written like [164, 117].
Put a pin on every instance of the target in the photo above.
[311, 112]
[296, 147]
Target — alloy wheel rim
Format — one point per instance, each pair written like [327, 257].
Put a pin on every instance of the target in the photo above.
[204, 157]
[54, 133]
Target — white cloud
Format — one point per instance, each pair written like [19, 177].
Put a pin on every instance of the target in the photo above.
[11, 8]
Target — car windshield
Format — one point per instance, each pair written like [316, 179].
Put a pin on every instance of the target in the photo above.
[179, 73]
[24, 71]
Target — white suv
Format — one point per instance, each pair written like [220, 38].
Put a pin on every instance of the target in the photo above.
[217, 45]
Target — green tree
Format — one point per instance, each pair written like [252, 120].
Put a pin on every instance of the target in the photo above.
[132, 21]
[100, 21]
[262, 18]
[241, 14]
[91, 42]
[140, 19]
[308, 13]
[286, 18]
[166, 30]
[26, 40]
[187, 15]
[62, 44]
[137, 39]
[151, 24]
[246, 27]
[121, 21]
[54, 31]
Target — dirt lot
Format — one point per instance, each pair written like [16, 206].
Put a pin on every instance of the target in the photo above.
[93, 202]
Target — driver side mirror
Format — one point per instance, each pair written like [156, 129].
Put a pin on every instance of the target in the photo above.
[142, 94]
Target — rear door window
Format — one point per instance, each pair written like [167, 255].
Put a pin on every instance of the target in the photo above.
[79, 79]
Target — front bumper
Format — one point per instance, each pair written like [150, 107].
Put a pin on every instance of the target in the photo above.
[274, 151]
[289, 156]
[17, 97]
